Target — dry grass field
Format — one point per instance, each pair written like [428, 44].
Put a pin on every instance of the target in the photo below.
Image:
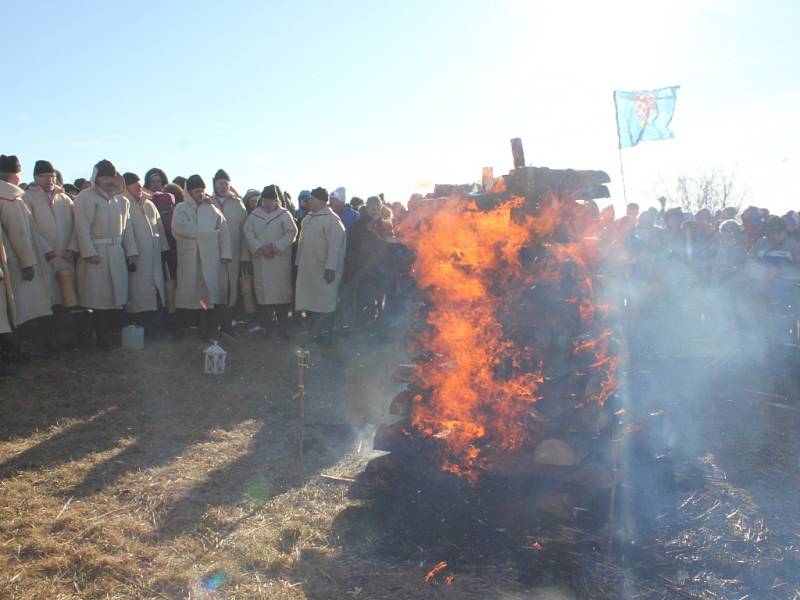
[132, 475]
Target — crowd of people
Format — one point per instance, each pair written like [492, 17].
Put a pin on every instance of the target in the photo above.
[80, 261]
[733, 278]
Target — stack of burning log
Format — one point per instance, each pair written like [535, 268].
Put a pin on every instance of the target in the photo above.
[513, 361]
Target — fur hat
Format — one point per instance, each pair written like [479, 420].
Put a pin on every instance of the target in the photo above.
[9, 164]
[105, 168]
[43, 166]
[194, 182]
[221, 174]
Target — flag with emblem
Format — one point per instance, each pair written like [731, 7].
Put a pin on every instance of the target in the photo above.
[644, 115]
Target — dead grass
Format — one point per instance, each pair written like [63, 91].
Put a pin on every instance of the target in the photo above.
[133, 475]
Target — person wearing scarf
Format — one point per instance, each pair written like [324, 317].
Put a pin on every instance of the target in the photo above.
[320, 261]
[28, 271]
[51, 209]
[146, 281]
[204, 246]
[269, 233]
[165, 204]
[155, 180]
[105, 239]
[231, 206]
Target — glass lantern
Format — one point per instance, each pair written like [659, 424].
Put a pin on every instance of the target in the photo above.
[215, 359]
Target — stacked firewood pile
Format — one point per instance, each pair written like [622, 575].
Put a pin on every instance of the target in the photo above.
[548, 313]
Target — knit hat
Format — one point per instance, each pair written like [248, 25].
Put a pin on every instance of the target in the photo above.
[320, 193]
[340, 194]
[270, 191]
[130, 178]
[105, 168]
[221, 174]
[43, 166]
[9, 164]
[194, 182]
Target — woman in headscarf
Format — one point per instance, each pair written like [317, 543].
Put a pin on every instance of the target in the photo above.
[155, 180]
[269, 233]
[251, 200]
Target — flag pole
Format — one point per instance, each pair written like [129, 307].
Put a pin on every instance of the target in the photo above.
[622, 173]
[619, 150]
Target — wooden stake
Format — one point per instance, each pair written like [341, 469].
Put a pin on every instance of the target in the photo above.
[615, 457]
[303, 362]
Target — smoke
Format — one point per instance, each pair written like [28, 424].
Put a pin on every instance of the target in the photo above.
[704, 338]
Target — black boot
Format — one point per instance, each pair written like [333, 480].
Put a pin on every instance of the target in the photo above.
[101, 330]
[282, 315]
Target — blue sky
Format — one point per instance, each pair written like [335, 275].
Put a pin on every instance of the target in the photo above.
[393, 96]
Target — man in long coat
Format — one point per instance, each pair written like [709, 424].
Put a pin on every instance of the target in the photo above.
[232, 207]
[269, 233]
[105, 238]
[203, 244]
[51, 209]
[320, 262]
[9, 173]
[146, 281]
[26, 255]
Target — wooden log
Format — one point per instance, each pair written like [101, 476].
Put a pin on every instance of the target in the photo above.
[562, 451]
[402, 403]
[394, 437]
[593, 473]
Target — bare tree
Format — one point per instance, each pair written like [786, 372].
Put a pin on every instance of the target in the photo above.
[713, 190]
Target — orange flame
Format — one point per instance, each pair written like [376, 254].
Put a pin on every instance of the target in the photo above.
[468, 261]
[435, 570]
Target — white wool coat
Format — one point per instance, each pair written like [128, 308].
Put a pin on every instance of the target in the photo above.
[56, 224]
[321, 246]
[24, 248]
[146, 283]
[103, 229]
[7, 312]
[202, 240]
[235, 215]
[272, 277]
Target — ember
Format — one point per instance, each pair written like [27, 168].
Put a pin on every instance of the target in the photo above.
[435, 571]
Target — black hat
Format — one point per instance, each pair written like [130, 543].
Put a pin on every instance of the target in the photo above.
[79, 182]
[775, 223]
[43, 166]
[194, 182]
[9, 164]
[105, 168]
[320, 193]
[130, 178]
[271, 191]
[221, 174]
[156, 171]
[71, 189]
